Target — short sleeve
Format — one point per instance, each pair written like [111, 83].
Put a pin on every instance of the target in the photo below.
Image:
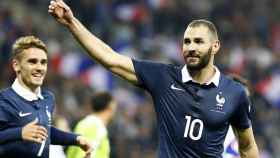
[241, 118]
[149, 74]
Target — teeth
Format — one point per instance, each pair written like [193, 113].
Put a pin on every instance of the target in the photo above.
[37, 75]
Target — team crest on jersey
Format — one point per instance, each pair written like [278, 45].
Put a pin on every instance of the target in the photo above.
[49, 115]
[220, 101]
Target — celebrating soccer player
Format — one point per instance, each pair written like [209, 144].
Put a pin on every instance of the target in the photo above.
[26, 108]
[195, 103]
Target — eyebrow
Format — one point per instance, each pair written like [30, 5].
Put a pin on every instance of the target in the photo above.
[195, 39]
[198, 39]
[36, 60]
[44, 61]
[186, 40]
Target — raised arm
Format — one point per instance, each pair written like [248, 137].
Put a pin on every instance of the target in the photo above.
[246, 143]
[97, 49]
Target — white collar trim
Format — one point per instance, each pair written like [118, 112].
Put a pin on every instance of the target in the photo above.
[187, 77]
[26, 93]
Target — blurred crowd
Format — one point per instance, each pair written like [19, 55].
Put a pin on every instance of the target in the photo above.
[249, 31]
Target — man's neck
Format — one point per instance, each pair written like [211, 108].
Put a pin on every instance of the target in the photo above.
[32, 89]
[204, 75]
[103, 116]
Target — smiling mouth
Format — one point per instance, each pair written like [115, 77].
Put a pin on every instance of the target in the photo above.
[37, 75]
[193, 57]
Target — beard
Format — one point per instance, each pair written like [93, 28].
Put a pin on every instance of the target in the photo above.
[202, 63]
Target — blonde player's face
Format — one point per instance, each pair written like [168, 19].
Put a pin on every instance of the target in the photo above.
[197, 47]
[31, 67]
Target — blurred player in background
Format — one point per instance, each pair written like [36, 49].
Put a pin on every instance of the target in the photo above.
[194, 103]
[93, 126]
[26, 108]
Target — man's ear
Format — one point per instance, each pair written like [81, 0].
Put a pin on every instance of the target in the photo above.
[216, 47]
[15, 65]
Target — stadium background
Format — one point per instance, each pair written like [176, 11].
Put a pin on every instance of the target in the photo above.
[150, 29]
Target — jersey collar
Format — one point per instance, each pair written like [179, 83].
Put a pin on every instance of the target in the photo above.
[187, 77]
[26, 93]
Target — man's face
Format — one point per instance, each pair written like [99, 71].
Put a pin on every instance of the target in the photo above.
[31, 67]
[197, 47]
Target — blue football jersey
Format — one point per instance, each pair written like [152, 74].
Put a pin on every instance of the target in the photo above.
[16, 112]
[193, 118]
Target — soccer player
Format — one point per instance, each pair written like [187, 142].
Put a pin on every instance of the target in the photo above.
[26, 108]
[194, 103]
[94, 125]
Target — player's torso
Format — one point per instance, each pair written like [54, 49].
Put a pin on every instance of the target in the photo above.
[22, 112]
[193, 119]
[28, 111]
[97, 133]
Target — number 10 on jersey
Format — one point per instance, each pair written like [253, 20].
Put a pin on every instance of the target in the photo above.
[192, 124]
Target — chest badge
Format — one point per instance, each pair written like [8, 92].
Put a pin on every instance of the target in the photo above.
[220, 101]
[49, 115]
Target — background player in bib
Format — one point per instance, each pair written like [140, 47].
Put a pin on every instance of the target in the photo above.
[93, 126]
[194, 103]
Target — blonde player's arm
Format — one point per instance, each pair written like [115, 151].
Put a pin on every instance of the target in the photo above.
[97, 49]
[246, 143]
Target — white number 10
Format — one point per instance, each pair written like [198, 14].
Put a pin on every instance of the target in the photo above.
[190, 127]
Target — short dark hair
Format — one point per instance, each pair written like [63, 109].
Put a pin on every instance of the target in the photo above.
[100, 101]
[202, 22]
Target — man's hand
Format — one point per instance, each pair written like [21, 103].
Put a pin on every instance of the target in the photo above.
[61, 12]
[34, 132]
[85, 145]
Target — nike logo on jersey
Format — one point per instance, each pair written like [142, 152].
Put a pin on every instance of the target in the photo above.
[21, 114]
[176, 88]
